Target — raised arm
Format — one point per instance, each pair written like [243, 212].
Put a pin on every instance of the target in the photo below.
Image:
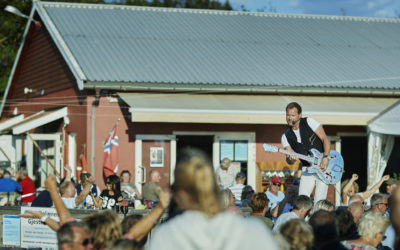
[62, 211]
[86, 187]
[347, 187]
[144, 225]
[54, 225]
[368, 193]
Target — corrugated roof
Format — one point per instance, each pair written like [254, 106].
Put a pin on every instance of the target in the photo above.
[130, 44]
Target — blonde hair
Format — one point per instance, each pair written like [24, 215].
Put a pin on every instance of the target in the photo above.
[195, 175]
[104, 227]
[355, 185]
[225, 198]
[298, 233]
[372, 223]
[323, 205]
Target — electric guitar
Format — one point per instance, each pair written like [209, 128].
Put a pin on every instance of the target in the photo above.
[333, 172]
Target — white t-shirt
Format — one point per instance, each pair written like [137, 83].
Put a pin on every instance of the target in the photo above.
[310, 121]
[194, 230]
[69, 202]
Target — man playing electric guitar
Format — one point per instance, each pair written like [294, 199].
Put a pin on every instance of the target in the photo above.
[302, 135]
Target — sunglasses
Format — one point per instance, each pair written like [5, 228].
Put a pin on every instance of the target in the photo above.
[276, 184]
[88, 241]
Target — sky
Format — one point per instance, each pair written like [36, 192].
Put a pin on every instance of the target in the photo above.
[368, 8]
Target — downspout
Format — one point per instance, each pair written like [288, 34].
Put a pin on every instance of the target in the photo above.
[95, 103]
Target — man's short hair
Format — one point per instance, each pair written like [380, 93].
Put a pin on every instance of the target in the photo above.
[258, 202]
[294, 105]
[240, 175]
[64, 186]
[302, 201]
[325, 225]
[376, 199]
[66, 235]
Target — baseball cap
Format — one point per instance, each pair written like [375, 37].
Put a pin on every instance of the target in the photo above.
[276, 179]
[391, 181]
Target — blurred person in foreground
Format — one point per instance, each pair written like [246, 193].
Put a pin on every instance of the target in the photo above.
[326, 231]
[203, 224]
[298, 233]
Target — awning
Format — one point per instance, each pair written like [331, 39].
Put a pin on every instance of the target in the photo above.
[388, 121]
[39, 119]
[250, 109]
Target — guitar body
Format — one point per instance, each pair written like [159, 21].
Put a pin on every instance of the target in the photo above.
[334, 171]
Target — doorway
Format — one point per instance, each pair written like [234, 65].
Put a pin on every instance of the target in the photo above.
[202, 142]
[354, 150]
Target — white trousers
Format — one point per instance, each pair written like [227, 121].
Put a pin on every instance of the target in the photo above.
[307, 183]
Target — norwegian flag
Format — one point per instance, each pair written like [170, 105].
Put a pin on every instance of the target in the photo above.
[110, 163]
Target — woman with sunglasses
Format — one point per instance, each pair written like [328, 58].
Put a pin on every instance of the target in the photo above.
[110, 197]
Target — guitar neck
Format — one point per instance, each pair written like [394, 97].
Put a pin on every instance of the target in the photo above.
[300, 156]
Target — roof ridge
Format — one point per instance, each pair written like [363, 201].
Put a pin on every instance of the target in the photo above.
[219, 12]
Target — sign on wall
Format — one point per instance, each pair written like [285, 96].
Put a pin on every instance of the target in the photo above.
[156, 157]
[34, 233]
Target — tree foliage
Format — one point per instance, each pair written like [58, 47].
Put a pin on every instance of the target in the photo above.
[12, 27]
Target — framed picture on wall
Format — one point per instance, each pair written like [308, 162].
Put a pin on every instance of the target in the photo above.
[156, 157]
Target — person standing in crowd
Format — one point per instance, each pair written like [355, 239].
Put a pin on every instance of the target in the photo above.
[203, 224]
[94, 191]
[238, 188]
[350, 188]
[74, 236]
[379, 203]
[326, 232]
[8, 184]
[110, 197]
[302, 207]
[152, 188]
[303, 135]
[275, 196]
[372, 227]
[28, 187]
[128, 189]
[226, 174]
[259, 205]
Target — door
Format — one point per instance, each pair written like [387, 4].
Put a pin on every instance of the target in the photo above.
[38, 166]
[153, 152]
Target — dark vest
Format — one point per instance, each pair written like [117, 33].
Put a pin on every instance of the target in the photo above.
[309, 140]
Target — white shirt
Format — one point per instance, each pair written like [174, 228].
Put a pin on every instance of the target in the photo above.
[237, 192]
[310, 121]
[194, 230]
[226, 178]
[69, 202]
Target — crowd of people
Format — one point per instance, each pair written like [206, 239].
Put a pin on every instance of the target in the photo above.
[208, 209]
[205, 212]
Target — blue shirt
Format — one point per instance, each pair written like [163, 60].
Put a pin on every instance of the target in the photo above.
[9, 185]
[274, 200]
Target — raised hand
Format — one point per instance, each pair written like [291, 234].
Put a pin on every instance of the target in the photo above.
[354, 177]
[386, 177]
[50, 182]
[31, 214]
